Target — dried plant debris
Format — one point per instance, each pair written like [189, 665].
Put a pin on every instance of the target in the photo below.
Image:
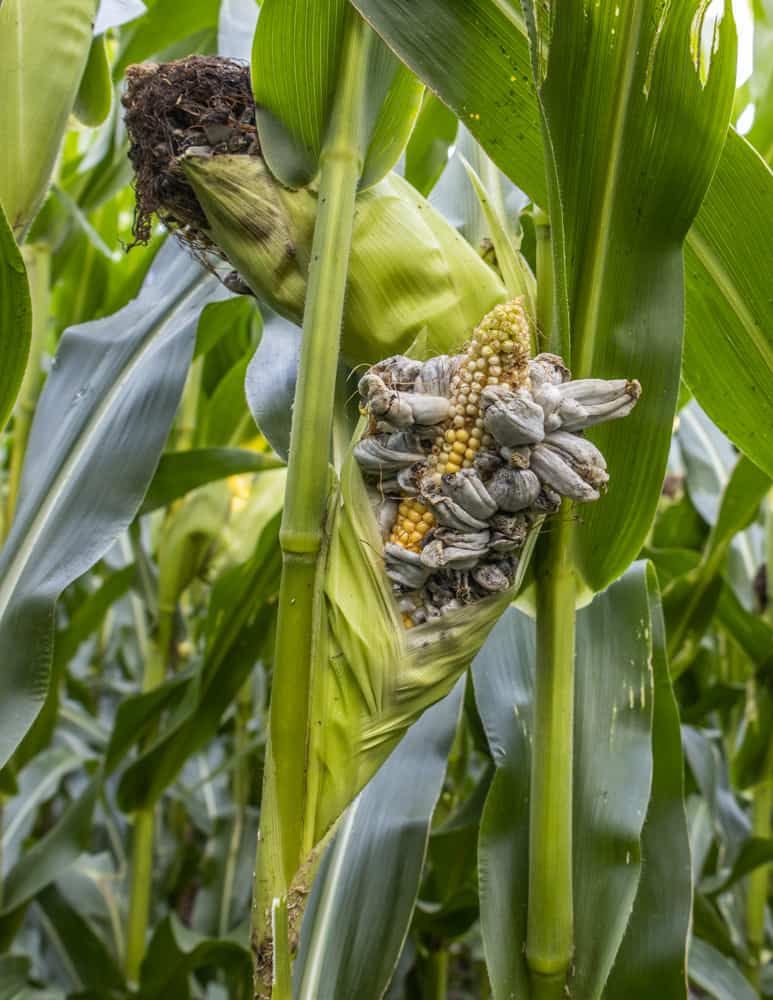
[198, 105]
[464, 454]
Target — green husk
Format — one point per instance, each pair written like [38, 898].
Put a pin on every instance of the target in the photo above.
[377, 677]
[411, 275]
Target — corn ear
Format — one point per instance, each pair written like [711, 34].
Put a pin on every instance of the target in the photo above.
[412, 278]
[44, 48]
[377, 676]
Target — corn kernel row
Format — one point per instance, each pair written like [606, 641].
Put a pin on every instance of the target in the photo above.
[497, 354]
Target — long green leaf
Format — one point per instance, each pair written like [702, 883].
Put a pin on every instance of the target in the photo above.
[728, 339]
[164, 25]
[717, 975]
[728, 351]
[629, 734]
[43, 53]
[179, 472]
[617, 86]
[50, 856]
[240, 616]
[364, 893]
[296, 54]
[175, 952]
[15, 319]
[653, 956]
[99, 428]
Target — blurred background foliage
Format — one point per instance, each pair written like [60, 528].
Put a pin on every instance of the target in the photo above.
[196, 565]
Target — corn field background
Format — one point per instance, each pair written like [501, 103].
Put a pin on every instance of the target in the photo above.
[218, 219]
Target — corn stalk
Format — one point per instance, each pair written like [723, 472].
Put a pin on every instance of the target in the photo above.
[280, 851]
[550, 924]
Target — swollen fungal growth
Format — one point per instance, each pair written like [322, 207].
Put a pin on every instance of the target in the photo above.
[464, 454]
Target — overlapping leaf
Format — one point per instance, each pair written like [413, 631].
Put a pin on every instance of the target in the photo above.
[296, 56]
[489, 89]
[628, 767]
[364, 893]
[99, 428]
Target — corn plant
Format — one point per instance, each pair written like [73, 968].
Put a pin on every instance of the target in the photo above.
[385, 438]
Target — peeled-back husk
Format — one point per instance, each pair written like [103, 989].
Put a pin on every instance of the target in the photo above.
[375, 676]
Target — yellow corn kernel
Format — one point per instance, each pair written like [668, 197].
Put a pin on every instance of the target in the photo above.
[413, 522]
[498, 354]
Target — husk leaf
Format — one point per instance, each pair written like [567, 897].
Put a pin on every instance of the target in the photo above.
[411, 275]
[376, 677]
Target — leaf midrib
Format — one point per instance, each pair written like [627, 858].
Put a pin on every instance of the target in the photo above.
[724, 282]
[586, 323]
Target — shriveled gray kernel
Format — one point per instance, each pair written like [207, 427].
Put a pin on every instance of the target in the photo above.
[404, 567]
[386, 513]
[512, 418]
[467, 490]
[583, 456]
[508, 532]
[398, 371]
[518, 458]
[435, 375]
[388, 452]
[558, 474]
[486, 463]
[475, 540]
[401, 409]
[547, 502]
[450, 514]
[514, 489]
[593, 400]
[407, 481]
[491, 578]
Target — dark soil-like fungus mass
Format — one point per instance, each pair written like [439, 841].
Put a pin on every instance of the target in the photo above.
[199, 103]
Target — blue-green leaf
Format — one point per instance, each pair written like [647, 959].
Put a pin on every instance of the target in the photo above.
[364, 893]
[100, 425]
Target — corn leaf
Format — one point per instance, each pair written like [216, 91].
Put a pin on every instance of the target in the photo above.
[296, 54]
[378, 677]
[99, 428]
[624, 699]
[95, 93]
[426, 154]
[490, 91]
[728, 351]
[179, 472]
[239, 620]
[652, 956]
[607, 118]
[92, 963]
[52, 854]
[43, 52]
[363, 896]
[716, 974]
[166, 25]
[15, 319]
[174, 952]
